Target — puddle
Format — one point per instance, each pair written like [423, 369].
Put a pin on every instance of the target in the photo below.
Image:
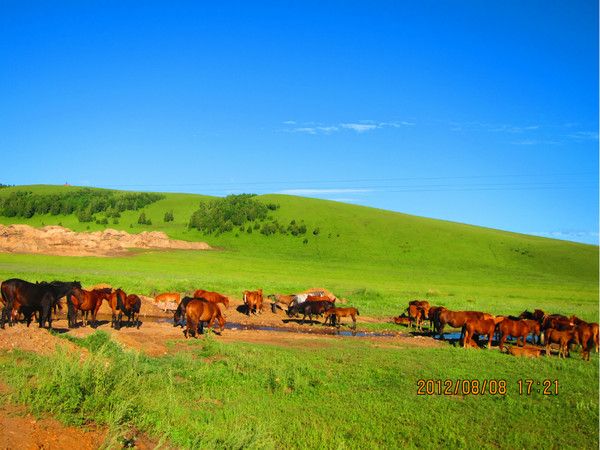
[310, 330]
[317, 329]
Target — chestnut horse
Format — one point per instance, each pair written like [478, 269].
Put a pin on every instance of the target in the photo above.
[455, 319]
[562, 337]
[197, 312]
[86, 301]
[167, 297]
[417, 314]
[478, 326]
[402, 320]
[280, 299]
[335, 314]
[587, 334]
[253, 301]
[519, 329]
[212, 297]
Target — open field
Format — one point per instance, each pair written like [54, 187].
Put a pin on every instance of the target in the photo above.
[271, 390]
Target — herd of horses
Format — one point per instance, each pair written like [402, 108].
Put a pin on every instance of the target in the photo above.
[22, 298]
[544, 328]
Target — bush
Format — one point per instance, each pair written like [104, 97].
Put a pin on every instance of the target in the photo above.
[85, 216]
[316, 231]
[103, 221]
[169, 216]
[82, 202]
[142, 220]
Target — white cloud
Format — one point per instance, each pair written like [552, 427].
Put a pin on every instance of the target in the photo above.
[584, 135]
[359, 127]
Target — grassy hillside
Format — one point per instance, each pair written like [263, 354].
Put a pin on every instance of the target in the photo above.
[376, 258]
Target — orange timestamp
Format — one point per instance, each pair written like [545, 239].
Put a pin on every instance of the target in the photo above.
[485, 387]
[462, 387]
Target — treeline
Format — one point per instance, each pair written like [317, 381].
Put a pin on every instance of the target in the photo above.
[83, 202]
[242, 212]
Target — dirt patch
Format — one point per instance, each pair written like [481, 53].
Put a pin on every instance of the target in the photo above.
[56, 240]
[34, 339]
[21, 430]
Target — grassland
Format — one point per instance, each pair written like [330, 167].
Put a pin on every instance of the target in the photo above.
[377, 259]
[350, 393]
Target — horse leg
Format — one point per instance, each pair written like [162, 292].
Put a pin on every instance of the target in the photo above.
[119, 319]
[502, 340]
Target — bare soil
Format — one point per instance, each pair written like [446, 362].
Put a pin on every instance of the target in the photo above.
[56, 240]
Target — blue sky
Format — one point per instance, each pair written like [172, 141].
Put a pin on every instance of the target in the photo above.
[477, 112]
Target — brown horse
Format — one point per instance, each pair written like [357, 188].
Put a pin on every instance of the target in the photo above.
[197, 312]
[212, 297]
[433, 312]
[423, 305]
[478, 326]
[86, 301]
[403, 320]
[335, 314]
[526, 351]
[556, 321]
[417, 314]
[455, 319]
[279, 300]
[519, 329]
[587, 334]
[561, 337]
[113, 302]
[253, 301]
[167, 297]
[130, 306]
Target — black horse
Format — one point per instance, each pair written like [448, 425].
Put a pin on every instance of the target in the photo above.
[29, 298]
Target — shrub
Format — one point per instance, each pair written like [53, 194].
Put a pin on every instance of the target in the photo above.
[169, 216]
[221, 215]
[316, 231]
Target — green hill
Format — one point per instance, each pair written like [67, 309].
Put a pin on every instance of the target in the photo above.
[376, 258]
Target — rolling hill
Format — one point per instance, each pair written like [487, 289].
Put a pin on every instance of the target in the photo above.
[374, 257]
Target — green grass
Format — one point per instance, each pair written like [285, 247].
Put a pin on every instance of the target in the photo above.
[348, 394]
[378, 259]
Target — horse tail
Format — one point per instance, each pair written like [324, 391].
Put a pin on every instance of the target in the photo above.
[120, 305]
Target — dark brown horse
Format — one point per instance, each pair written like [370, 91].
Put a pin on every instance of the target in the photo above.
[28, 298]
[433, 312]
[309, 308]
[130, 306]
[86, 301]
[197, 312]
[335, 314]
[113, 302]
[212, 297]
